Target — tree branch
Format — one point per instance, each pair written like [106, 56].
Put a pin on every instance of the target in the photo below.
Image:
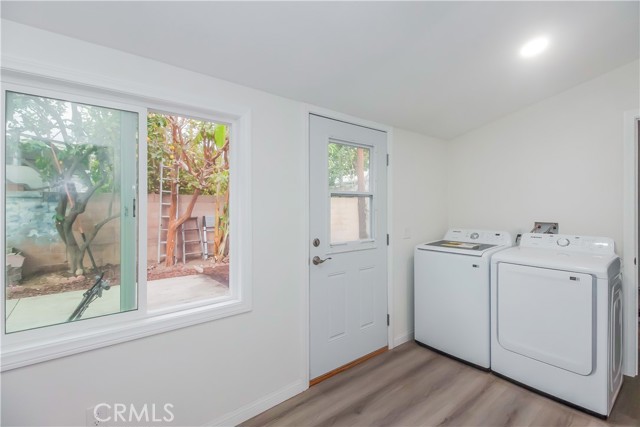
[54, 114]
[81, 203]
[95, 231]
[72, 169]
[187, 213]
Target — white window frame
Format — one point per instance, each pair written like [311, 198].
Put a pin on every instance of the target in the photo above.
[27, 347]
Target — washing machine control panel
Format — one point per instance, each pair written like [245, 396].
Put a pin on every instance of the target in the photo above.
[498, 238]
[567, 242]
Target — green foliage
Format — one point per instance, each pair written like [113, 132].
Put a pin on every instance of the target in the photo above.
[342, 164]
[81, 137]
[197, 136]
[220, 135]
[156, 144]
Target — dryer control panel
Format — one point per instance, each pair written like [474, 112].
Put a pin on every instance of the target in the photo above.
[568, 242]
[498, 238]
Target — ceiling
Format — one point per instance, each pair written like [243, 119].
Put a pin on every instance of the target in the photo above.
[438, 68]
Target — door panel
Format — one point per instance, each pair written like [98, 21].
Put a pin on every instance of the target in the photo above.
[348, 199]
[337, 305]
[547, 315]
[367, 297]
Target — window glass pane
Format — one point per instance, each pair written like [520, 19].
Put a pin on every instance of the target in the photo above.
[67, 203]
[350, 218]
[188, 211]
[348, 167]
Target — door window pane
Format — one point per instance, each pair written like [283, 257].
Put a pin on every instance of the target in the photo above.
[350, 218]
[348, 167]
[69, 201]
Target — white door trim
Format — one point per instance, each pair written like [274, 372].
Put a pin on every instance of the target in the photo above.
[308, 109]
[630, 240]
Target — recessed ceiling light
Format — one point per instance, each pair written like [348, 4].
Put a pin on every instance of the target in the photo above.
[534, 47]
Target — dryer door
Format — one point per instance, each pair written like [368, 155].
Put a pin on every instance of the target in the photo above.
[615, 335]
[547, 315]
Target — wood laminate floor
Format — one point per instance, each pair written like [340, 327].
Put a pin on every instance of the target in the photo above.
[413, 386]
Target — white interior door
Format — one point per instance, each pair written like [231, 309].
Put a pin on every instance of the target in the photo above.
[348, 279]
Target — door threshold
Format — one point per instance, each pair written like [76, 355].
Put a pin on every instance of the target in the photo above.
[349, 365]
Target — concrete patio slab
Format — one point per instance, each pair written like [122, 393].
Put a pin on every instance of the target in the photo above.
[45, 310]
[172, 291]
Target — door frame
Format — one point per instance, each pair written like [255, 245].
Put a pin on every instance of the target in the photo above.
[630, 229]
[307, 110]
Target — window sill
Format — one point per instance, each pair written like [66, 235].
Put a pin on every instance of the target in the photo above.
[28, 352]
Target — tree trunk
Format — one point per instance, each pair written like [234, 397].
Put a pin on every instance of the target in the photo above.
[60, 213]
[74, 254]
[216, 222]
[222, 229]
[171, 242]
[362, 221]
[171, 227]
[64, 227]
[175, 223]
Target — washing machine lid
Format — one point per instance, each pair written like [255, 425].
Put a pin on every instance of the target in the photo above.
[581, 254]
[469, 242]
[452, 246]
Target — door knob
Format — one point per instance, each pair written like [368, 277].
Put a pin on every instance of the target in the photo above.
[317, 260]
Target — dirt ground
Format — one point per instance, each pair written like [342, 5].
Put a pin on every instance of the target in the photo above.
[63, 281]
[217, 271]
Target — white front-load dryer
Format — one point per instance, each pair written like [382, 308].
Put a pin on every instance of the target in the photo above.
[556, 318]
[452, 293]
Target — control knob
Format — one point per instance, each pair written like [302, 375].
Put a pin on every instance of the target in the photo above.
[563, 242]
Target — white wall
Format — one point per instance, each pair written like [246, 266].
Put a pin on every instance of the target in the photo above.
[419, 214]
[565, 152]
[559, 160]
[231, 368]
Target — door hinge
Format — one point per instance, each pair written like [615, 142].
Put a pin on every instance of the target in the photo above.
[635, 261]
[388, 319]
[387, 160]
[134, 208]
[387, 240]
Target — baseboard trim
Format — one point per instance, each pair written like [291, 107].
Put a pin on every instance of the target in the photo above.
[256, 407]
[401, 339]
[349, 365]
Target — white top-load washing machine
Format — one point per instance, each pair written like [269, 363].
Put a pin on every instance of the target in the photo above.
[556, 318]
[452, 293]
